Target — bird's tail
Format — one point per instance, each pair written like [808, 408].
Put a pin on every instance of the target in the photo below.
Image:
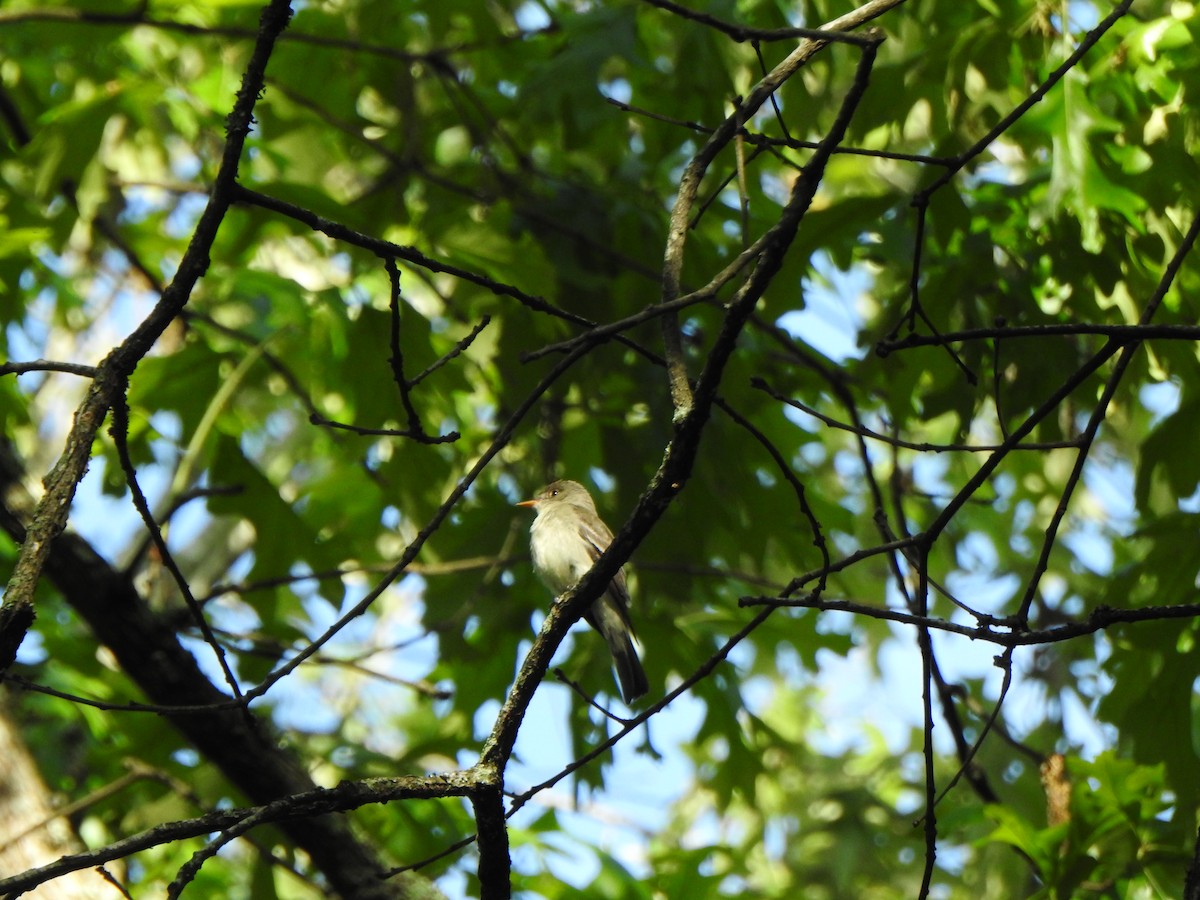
[618, 634]
[629, 668]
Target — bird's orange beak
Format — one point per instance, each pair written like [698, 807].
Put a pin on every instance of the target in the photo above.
[528, 503]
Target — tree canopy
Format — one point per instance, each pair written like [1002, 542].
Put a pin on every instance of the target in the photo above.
[871, 327]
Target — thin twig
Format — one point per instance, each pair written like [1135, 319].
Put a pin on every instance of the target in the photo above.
[119, 430]
[1124, 334]
[923, 447]
[1100, 619]
[48, 365]
[743, 33]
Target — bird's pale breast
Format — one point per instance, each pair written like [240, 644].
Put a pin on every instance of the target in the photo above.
[560, 556]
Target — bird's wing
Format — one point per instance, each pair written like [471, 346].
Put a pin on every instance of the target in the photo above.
[598, 539]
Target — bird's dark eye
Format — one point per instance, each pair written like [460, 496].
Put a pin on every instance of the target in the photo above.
[554, 493]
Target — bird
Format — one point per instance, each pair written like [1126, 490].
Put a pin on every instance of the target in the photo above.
[566, 538]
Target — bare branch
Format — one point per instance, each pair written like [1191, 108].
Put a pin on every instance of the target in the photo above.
[47, 365]
[1101, 618]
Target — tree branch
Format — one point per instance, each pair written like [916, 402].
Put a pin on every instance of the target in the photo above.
[112, 374]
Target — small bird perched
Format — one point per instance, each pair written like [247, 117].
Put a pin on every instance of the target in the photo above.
[566, 538]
